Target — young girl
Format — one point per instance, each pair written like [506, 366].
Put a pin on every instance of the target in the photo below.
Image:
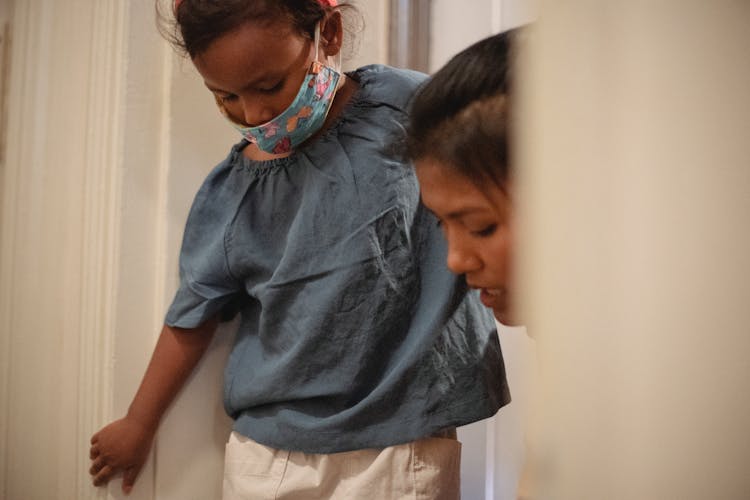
[357, 353]
[458, 139]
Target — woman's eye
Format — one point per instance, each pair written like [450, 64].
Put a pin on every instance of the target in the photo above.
[487, 231]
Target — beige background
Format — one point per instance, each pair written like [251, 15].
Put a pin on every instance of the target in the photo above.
[636, 196]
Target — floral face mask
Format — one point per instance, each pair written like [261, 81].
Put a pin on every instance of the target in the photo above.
[303, 118]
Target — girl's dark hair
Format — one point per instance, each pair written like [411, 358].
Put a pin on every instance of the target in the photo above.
[460, 116]
[195, 24]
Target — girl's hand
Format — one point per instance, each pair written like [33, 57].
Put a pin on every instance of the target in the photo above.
[122, 446]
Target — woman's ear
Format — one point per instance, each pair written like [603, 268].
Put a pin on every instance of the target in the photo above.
[331, 34]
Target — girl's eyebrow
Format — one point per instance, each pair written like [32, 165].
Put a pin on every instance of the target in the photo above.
[254, 82]
[212, 89]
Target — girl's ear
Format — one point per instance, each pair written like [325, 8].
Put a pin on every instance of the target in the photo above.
[331, 34]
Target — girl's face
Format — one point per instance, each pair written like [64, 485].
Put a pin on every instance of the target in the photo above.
[477, 224]
[257, 69]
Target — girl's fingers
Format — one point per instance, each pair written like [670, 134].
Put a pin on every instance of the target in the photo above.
[104, 475]
[96, 466]
[94, 451]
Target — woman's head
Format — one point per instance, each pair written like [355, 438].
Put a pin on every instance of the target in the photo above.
[465, 104]
[458, 139]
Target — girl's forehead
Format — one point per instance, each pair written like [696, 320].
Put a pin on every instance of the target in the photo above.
[250, 51]
[260, 35]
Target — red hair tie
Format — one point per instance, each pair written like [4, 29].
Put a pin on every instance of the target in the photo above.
[330, 3]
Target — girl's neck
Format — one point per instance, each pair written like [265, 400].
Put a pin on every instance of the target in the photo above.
[343, 95]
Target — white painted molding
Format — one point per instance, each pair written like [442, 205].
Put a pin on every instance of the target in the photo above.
[102, 177]
[21, 127]
[81, 323]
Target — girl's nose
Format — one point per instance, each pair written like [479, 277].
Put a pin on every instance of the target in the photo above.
[256, 112]
[461, 258]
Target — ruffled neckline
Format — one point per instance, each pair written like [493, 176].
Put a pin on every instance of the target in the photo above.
[362, 76]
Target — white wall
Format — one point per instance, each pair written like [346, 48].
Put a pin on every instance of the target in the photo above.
[371, 45]
[456, 26]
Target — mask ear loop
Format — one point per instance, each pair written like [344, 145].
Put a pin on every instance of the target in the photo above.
[337, 62]
[317, 40]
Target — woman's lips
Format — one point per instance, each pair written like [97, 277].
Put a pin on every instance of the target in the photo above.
[490, 297]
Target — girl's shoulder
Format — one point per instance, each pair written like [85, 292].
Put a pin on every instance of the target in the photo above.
[381, 84]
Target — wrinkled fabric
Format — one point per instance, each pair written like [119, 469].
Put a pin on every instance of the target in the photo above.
[353, 332]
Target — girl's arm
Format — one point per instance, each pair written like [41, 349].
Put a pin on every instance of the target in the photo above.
[123, 445]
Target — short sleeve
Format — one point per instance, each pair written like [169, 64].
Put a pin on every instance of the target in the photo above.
[207, 288]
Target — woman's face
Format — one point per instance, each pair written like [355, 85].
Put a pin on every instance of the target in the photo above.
[477, 224]
[256, 70]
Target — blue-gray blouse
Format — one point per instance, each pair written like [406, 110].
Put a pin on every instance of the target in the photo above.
[353, 332]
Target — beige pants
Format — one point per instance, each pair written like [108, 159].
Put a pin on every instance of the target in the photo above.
[427, 469]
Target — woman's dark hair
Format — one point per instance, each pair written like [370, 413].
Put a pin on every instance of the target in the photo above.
[460, 116]
[195, 24]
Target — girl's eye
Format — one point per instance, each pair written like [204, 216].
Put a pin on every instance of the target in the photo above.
[273, 88]
[228, 98]
[487, 231]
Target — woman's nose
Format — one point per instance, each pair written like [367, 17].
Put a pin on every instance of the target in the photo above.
[461, 257]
